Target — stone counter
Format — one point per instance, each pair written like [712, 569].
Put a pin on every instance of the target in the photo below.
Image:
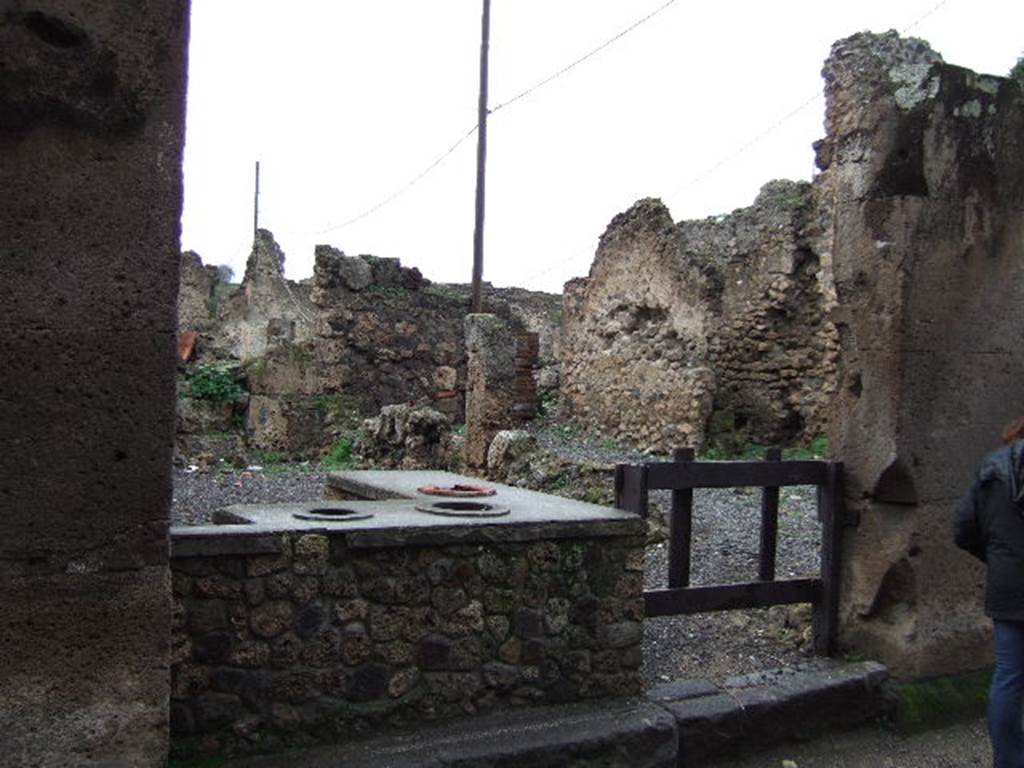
[291, 631]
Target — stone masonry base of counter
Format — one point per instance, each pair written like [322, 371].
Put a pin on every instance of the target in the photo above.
[291, 631]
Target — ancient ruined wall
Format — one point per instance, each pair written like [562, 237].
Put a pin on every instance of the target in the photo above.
[717, 323]
[268, 308]
[318, 356]
[92, 100]
[633, 343]
[769, 339]
[924, 170]
[197, 297]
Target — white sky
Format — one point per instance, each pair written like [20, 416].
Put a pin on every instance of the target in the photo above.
[343, 103]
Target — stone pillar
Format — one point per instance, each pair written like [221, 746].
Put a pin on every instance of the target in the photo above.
[92, 99]
[490, 383]
[924, 170]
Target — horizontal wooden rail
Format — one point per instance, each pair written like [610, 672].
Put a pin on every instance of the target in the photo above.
[673, 475]
[726, 597]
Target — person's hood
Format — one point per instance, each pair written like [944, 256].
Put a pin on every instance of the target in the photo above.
[1014, 470]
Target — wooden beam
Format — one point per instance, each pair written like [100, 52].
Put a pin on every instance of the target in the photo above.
[724, 597]
[734, 474]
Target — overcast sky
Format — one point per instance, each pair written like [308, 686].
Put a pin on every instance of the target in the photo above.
[344, 103]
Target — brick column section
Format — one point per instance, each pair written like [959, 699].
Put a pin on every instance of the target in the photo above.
[92, 115]
[525, 386]
[490, 383]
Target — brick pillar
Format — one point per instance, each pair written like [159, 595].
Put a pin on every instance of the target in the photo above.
[525, 385]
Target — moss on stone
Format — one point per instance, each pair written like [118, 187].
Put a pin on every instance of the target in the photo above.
[925, 704]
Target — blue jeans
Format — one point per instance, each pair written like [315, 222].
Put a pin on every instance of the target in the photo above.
[1006, 697]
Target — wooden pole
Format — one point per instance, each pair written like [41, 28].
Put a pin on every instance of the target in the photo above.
[481, 158]
[256, 203]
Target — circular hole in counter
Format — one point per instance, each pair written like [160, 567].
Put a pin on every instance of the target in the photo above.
[463, 509]
[332, 514]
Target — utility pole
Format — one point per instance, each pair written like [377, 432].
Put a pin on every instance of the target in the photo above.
[256, 204]
[481, 158]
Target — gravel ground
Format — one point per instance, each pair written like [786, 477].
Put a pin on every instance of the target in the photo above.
[725, 545]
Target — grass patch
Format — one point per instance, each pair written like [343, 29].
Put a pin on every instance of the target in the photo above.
[816, 449]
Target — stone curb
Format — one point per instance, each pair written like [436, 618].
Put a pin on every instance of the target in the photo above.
[683, 724]
[619, 734]
[754, 711]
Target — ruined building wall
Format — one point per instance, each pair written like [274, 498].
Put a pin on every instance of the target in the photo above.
[319, 355]
[92, 100]
[634, 350]
[924, 173]
[719, 323]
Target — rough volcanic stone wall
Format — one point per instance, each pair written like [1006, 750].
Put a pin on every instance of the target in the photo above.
[267, 308]
[717, 324]
[924, 171]
[634, 351]
[92, 100]
[312, 641]
[491, 346]
[770, 342]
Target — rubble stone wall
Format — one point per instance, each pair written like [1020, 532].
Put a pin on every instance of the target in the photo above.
[924, 173]
[297, 638]
[92, 116]
[322, 354]
[717, 324]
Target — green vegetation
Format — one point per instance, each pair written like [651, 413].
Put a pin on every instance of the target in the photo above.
[341, 410]
[1017, 73]
[340, 456]
[256, 367]
[816, 449]
[266, 458]
[385, 291]
[446, 292]
[547, 404]
[731, 448]
[215, 383]
[930, 703]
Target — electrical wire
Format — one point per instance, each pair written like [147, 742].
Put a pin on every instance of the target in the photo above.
[395, 195]
[550, 78]
[521, 95]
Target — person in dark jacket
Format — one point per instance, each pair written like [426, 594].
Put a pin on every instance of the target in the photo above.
[990, 525]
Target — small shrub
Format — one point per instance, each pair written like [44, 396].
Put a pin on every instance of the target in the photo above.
[340, 455]
[215, 383]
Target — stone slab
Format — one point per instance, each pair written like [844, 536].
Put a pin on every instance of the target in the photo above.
[754, 711]
[623, 734]
[397, 521]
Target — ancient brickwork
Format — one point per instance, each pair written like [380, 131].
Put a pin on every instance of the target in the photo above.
[316, 642]
[717, 324]
[924, 180]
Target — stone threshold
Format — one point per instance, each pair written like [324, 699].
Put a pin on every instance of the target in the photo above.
[683, 724]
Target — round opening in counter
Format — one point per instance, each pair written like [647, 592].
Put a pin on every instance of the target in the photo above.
[463, 509]
[332, 515]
